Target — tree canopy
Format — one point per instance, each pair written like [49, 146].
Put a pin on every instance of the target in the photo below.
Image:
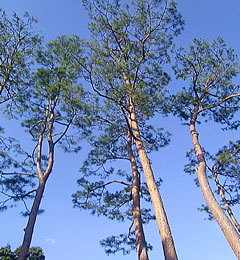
[107, 93]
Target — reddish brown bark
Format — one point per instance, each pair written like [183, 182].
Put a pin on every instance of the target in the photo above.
[136, 209]
[161, 217]
[28, 231]
[42, 176]
[225, 202]
[223, 221]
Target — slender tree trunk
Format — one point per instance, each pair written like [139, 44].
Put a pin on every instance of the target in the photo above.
[137, 220]
[1, 88]
[28, 231]
[223, 221]
[224, 200]
[161, 217]
[43, 177]
[2, 85]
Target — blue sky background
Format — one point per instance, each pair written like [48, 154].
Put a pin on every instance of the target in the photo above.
[67, 233]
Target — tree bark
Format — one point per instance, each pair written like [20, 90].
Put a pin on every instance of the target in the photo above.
[223, 221]
[136, 209]
[225, 202]
[161, 217]
[43, 177]
[3, 84]
[28, 231]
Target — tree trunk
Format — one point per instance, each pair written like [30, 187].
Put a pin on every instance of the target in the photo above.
[225, 202]
[23, 253]
[136, 210]
[2, 85]
[43, 176]
[223, 221]
[164, 228]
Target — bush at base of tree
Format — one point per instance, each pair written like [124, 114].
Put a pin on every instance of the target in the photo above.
[35, 253]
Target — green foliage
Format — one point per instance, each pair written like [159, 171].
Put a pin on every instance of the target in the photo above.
[56, 97]
[101, 173]
[130, 44]
[209, 70]
[111, 198]
[206, 210]
[97, 198]
[106, 190]
[52, 103]
[17, 45]
[122, 243]
[7, 254]
[225, 166]
[55, 79]
[18, 42]
[193, 162]
[7, 145]
[35, 253]
[227, 163]
[14, 186]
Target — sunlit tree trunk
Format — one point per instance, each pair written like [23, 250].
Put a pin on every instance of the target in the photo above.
[28, 231]
[53, 91]
[136, 210]
[225, 202]
[42, 176]
[161, 217]
[223, 221]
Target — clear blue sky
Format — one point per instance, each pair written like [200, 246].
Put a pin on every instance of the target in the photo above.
[66, 233]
